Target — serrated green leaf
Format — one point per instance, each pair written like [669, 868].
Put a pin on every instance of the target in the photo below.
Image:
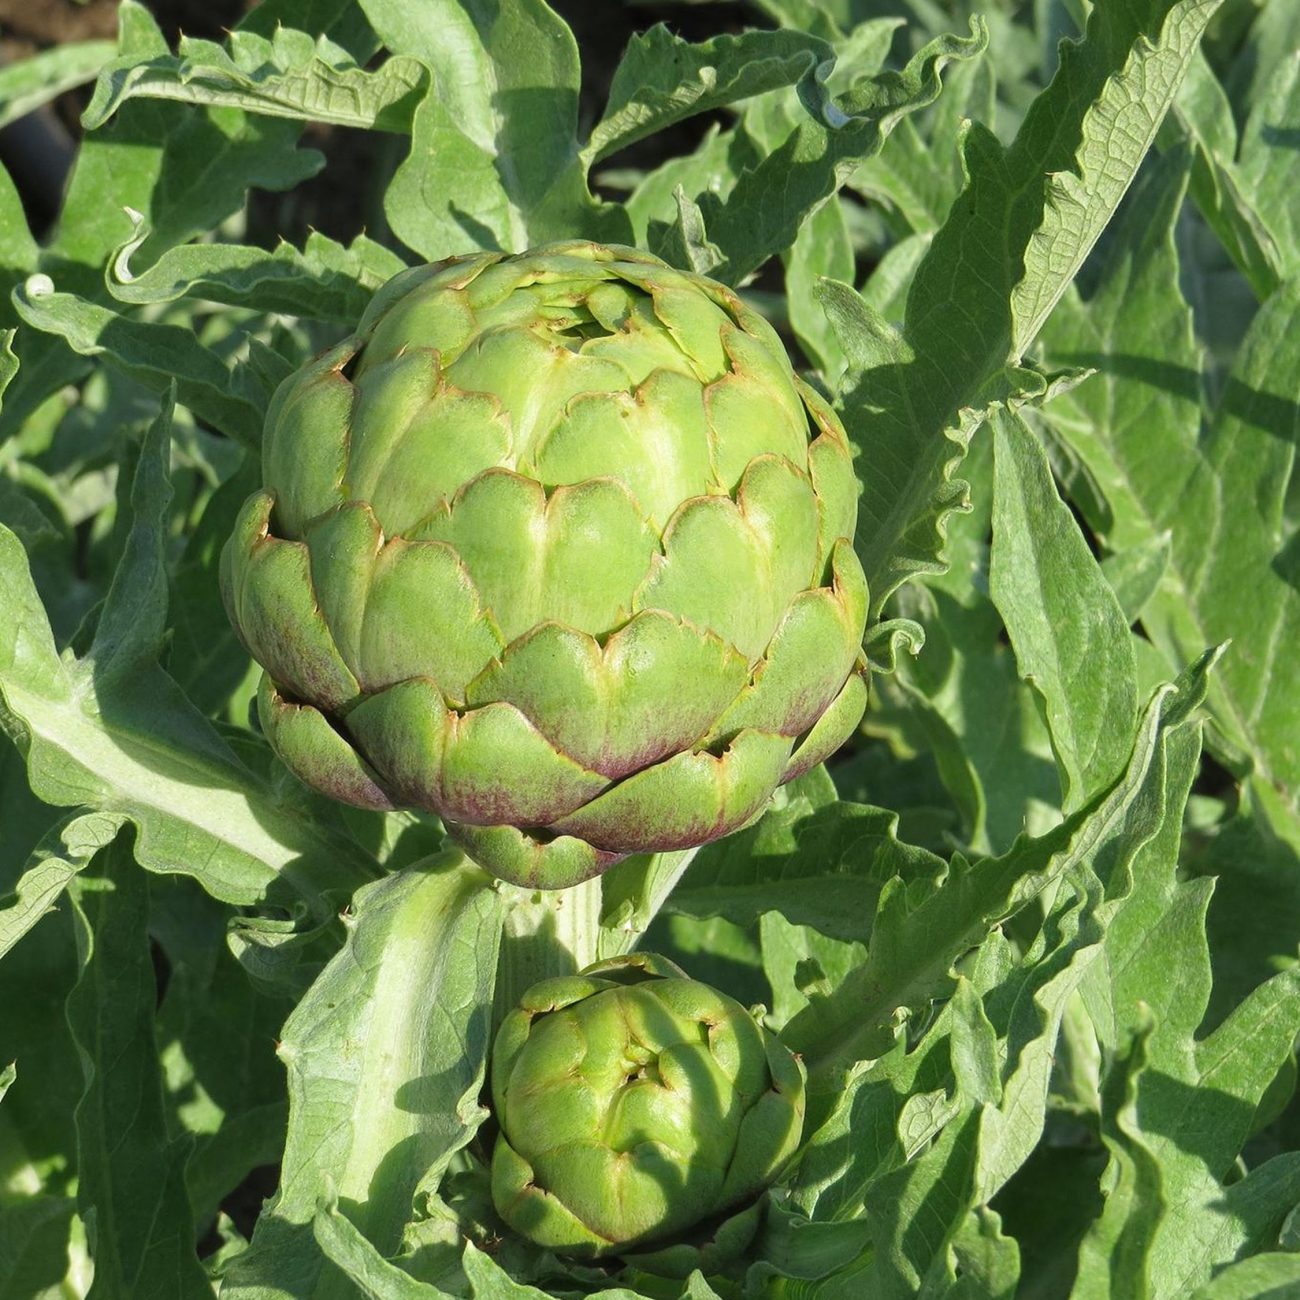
[662, 79]
[339, 21]
[1189, 1108]
[763, 212]
[322, 281]
[919, 176]
[686, 243]
[288, 75]
[225, 1090]
[1030, 1023]
[799, 960]
[914, 947]
[988, 1261]
[494, 154]
[154, 354]
[1003, 258]
[816, 866]
[1115, 131]
[715, 164]
[961, 699]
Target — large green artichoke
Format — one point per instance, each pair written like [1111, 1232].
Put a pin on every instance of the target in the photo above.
[556, 546]
[635, 1104]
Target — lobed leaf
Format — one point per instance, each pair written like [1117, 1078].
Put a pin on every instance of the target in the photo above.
[1187, 1106]
[494, 155]
[762, 214]
[290, 74]
[915, 946]
[386, 1056]
[1230, 573]
[131, 1187]
[161, 163]
[819, 865]
[156, 355]
[1009, 248]
[662, 79]
[322, 281]
[114, 733]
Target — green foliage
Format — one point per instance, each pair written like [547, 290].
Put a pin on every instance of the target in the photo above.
[1034, 933]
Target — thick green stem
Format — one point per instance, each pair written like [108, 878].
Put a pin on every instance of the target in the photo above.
[558, 932]
[546, 933]
[634, 891]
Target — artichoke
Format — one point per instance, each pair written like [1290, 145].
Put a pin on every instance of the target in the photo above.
[635, 1104]
[556, 546]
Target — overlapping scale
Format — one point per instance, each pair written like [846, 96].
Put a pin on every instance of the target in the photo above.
[754, 362]
[830, 462]
[534, 861]
[732, 567]
[688, 799]
[533, 378]
[424, 618]
[655, 441]
[576, 557]
[693, 320]
[746, 423]
[318, 754]
[416, 440]
[271, 600]
[832, 729]
[484, 767]
[442, 322]
[653, 689]
[640, 345]
[805, 664]
[780, 507]
[400, 608]
[305, 447]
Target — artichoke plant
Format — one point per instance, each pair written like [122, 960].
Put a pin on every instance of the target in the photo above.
[558, 547]
[634, 1104]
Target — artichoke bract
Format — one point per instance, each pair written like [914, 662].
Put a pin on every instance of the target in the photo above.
[558, 547]
[635, 1103]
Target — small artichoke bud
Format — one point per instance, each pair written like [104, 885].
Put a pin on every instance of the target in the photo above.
[634, 1105]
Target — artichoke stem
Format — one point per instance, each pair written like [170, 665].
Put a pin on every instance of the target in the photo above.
[634, 892]
[546, 933]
